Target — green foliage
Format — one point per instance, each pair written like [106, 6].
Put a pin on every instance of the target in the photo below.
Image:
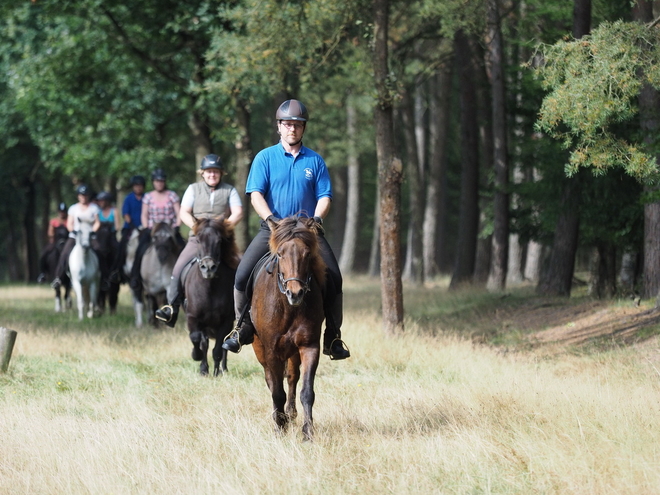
[593, 86]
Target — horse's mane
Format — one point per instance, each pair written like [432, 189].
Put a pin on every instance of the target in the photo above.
[229, 248]
[304, 229]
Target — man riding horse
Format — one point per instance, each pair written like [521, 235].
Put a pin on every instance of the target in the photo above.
[288, 179]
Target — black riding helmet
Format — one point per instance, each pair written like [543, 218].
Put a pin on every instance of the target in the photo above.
[104, 196]
[158, 174]
[84, 190]
[138, 180]
[61, 207]
[292, 110]
[211, 161]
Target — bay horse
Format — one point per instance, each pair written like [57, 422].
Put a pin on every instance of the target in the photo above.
[209, 289]
[287, 314]
[84, 272]
[105, 245]
[156, 270]
[51, 257]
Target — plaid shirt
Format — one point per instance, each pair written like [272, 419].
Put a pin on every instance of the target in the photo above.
[160, 212]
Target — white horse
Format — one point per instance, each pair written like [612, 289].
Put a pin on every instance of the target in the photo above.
[85, 272]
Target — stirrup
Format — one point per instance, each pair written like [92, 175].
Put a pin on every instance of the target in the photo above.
[162, 309]
[328, 351]
[235, 335]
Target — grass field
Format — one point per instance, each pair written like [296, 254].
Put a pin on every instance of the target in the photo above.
[461, 403]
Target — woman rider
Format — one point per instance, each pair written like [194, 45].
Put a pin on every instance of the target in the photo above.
[206, 198]
[159, 205]
[83, 211]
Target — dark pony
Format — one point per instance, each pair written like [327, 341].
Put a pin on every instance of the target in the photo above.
[105, 245]
[287, 313]
[209, 288]
[51, 256]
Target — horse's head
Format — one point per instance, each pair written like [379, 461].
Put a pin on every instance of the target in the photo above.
[84, 235]
[61, 233]
[102, 241]
[294, 243]
[216, 245]
[164, 241]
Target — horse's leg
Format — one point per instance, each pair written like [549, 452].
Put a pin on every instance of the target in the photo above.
[80, 301]
[275, 379]
[200, 347]
[151, 309]
[114, 297]
[219, 358]
[87, 297]
[138, 307]
[292, 377]
[58, 300]
[309, 357]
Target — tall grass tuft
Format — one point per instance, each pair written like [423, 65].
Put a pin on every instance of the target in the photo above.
[101, 407]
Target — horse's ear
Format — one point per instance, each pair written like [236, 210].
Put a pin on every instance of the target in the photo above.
[272, 223]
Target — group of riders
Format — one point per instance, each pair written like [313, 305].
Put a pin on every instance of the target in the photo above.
[286, 179]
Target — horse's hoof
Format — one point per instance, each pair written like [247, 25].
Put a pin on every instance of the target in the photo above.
[197, 354]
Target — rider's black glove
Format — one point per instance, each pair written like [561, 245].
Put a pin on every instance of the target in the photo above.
[319, 225]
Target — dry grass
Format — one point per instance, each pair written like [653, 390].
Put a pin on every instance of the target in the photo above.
[103, 408]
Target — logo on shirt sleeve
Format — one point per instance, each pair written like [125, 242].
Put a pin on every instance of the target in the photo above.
[309, 174]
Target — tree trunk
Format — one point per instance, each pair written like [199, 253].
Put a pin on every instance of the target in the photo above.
[500, 250]
[433, 238]
[351, 229]
[649, 117]
[29, 229]
[374, 252]
[485, 118]
[468, 222]
[244, 156]
[389, 178]
[533, 261]
[414, 272]
[602, 283]
[558, 278]
[628, 272]
[201, 140]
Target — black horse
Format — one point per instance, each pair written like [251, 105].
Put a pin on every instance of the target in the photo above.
[209, 288]
[48, 262]
[106, 245]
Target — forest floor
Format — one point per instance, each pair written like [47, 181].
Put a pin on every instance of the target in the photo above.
[556, 325]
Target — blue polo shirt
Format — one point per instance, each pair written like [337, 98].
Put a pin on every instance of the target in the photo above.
[133, 207]
[291, 185]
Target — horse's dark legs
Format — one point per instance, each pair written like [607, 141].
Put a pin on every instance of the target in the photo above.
[292, 376]
[310, 361]
[275, 381]
[200, 347]
[219, 358]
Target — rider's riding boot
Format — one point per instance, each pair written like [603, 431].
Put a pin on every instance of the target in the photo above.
[170, 312]
[333, 346]
[57, 283]
[245, 334]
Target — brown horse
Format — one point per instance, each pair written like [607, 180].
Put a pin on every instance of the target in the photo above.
[209, 289]
[287, 313]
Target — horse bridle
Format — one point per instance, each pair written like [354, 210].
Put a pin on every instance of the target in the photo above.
[281, 281]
